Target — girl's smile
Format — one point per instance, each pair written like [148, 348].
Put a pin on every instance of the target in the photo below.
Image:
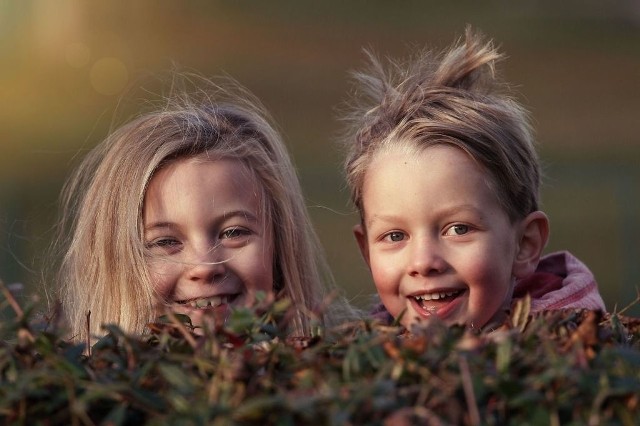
[207, 242]
[207, 302]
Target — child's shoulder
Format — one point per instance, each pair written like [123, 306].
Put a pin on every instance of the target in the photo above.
[379, 312]
[561, 281]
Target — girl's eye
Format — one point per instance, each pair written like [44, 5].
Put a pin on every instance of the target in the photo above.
[235, 232]
[457, 229]
[395, 236]
[164, 245]
[163, 242]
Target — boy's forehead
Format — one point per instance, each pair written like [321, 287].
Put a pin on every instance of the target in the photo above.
[412, 153]
[395, 145]
[439, 173]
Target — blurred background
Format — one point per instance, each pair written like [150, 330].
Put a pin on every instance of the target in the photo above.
[71, 68]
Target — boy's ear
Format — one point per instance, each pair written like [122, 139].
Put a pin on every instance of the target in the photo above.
[533, 238]
[361, 238]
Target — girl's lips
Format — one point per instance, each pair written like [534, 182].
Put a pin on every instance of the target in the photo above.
[208, 302]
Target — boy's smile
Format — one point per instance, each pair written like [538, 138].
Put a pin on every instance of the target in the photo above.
[438, 303]
[435, 237]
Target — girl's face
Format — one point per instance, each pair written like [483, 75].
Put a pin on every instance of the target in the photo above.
[208, 245]
[435, 238]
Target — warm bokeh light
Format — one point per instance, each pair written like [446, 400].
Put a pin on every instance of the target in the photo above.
[109, 76]
[77, 55]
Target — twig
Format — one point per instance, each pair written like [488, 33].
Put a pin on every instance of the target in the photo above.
[12, 300]
[88, 332]
[636, 301]
[24, 330]
[469, 395]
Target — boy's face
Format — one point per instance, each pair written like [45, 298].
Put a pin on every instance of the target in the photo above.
[435, 238]
[208, 246]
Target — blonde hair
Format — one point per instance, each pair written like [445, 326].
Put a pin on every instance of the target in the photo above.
[452, 98]
[103, 268]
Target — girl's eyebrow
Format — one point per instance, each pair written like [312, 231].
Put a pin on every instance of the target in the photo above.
[159, 225]
[245, 214]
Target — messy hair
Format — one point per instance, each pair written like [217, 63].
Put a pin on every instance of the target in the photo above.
[103, 268]
[453, 98]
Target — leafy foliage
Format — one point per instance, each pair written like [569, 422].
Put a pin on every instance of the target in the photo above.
[563, 367]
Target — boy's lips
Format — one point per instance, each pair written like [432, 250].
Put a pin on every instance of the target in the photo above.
[438, 302]
[438, 295]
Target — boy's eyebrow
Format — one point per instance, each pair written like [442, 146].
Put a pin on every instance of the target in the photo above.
[443, 212]
[460, 208]
[380, 217]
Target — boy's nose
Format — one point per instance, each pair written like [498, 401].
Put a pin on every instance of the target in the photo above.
[208, 267]
[426, 258]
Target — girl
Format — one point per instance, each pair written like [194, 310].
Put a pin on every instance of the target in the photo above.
[195, 206]
[443, 171]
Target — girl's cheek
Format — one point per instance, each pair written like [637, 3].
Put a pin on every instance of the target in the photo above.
[161, 279]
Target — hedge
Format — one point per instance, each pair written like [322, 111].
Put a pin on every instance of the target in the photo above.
[560, 367]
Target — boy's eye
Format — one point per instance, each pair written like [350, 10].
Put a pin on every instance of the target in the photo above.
[395, 236]
[457, 229]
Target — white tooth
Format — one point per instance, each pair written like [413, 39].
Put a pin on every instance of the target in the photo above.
[216, 301]
[437, 296]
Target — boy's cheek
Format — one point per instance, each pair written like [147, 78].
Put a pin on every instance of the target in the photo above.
[385, 280]
[381, 274]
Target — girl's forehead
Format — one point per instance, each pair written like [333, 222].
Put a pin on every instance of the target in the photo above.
[187, 173]
[191, 188]
[222, 164]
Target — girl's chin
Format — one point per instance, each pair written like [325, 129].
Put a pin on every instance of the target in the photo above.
[205, 318]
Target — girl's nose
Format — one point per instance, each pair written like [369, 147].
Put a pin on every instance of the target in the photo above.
[426, 258]
[209, 267]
